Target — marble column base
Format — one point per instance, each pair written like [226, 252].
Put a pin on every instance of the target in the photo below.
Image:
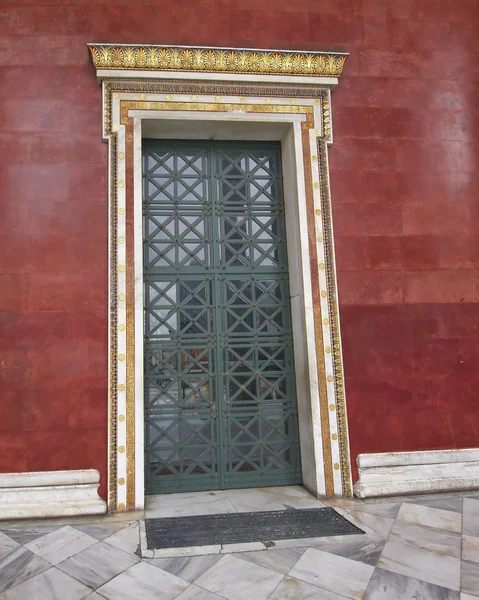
[402, 473]
[50, 494]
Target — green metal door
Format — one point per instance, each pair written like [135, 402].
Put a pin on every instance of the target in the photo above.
[220, 396]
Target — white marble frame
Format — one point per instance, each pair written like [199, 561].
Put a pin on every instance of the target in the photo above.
[288, 130]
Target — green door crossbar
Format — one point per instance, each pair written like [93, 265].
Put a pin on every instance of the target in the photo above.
[220, 395]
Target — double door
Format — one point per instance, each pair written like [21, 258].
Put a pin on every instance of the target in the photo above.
[220, 396]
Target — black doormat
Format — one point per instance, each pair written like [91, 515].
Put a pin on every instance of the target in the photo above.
[234, 528]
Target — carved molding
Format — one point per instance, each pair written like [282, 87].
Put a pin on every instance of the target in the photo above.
[50, 494]
[420, 472]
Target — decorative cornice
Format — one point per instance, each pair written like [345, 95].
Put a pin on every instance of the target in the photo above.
[217, 60]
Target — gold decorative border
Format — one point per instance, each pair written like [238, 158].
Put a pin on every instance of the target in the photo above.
[217, 60]
[130, 315]
[294, 109]
[209, 89]
[113, 383]
[322, 98]
[333, 306]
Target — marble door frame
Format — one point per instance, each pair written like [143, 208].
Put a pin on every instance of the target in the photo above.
[294, 108]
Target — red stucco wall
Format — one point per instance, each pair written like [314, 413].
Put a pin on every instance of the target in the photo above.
[405, 204]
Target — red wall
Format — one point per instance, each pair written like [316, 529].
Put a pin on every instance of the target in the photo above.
[405, 203]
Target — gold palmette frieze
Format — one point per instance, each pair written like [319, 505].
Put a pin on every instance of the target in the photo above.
[217, 60]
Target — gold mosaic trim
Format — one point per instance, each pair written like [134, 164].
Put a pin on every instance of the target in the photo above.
[217, 60]
[212, 107]
[130, 316]
[334, 319]
[113, 395]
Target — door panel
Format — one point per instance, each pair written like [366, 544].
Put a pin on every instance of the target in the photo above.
[220, 403]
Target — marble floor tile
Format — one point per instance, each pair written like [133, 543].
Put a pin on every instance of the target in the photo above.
[374, 525]
[430, 517]
[358, 503]
[420, 560]
[351, 502]
[470, 548]
[188, 568]
[361, 550]
[188, 504]
[385, 585]
[470, 524]
[19, 566]
[281, 561]
[333, 573]
[98, 564]
[196, 593]
[180, 552]
[452, 504]
[55, 523]
[127, 517]
[295, 589]
[420, 564]
[50, 585]
[128, 539]
[237, 579]
[245, 547]
[101, 531]
[7, 545]
[389, 509]
[308, 542]
[59, 545]
[273, 498]
[427, 538]
[469, 577]
[24, 535]
[143, 582]
[471, 506]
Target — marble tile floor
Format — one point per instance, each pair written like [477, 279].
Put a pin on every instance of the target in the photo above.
[229, 501]
[414, 548]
